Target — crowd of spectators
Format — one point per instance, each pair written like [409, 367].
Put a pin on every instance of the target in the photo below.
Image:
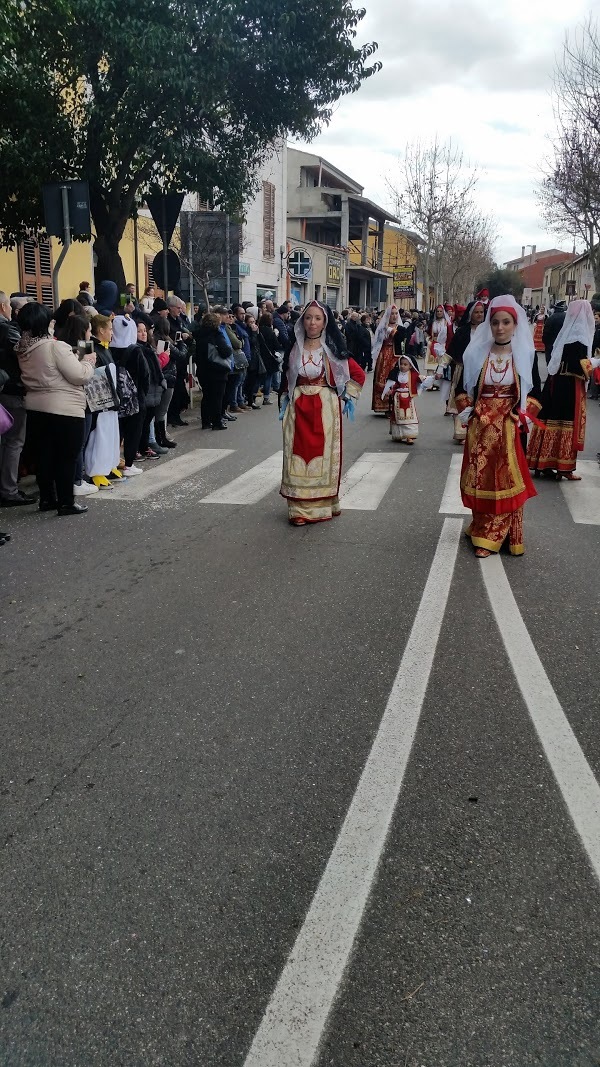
[92, 391]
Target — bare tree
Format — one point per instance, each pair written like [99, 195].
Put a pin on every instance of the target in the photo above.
[569, 193]
[434, 186]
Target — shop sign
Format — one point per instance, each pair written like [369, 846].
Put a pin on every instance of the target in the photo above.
[244, 269]
[334, 270]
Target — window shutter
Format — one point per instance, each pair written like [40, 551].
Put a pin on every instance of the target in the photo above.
[268, 220]
[35, 269]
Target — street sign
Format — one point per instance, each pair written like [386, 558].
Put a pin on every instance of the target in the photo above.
[78, 200]
[173, 269]
[165, 209]
[299, 264]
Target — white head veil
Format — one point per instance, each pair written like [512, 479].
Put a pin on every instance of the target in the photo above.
[382, 329]
[523, 352]
[579, 325]
[339, 365]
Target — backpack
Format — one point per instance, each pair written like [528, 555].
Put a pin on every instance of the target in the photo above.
[128, 394]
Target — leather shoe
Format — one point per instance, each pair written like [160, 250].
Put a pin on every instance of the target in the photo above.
[72, 509]
[47, 505]
[18, 501]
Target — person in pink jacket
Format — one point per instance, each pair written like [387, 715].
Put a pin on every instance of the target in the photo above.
[54, 377]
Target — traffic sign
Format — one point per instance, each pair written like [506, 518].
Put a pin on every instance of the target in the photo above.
[299, 264]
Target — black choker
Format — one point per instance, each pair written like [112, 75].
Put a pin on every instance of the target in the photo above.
[501, 344]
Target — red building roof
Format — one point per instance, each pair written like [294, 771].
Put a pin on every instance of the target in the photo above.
[533, 275]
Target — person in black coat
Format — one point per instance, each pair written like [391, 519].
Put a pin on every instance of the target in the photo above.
[213, 365]
[256, 368]
[128, 354]
[553, 326]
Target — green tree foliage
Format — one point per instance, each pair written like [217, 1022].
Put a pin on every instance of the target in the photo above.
[500, 281]
[135, 95]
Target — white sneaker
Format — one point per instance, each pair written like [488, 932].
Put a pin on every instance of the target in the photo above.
[85, 489]
[130, 471]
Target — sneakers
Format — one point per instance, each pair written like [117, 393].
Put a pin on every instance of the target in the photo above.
[230, 418]
[160, 451]
[266, 401]
[85, 489]
[130, 471]
[150, 454]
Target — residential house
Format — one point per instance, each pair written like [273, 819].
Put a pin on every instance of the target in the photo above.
[534, 256]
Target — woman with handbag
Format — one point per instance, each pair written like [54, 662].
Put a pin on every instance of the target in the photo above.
[269, 347]
[156, 388]
[213, 362]
[54, 378]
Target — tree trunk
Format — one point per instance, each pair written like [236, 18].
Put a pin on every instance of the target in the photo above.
[109, 266]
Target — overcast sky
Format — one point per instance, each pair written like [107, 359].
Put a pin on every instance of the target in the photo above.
[479, 73]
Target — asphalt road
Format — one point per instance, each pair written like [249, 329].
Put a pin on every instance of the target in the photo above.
[189, 694]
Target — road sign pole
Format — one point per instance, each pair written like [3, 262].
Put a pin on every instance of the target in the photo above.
[64, 191]
[165, 248]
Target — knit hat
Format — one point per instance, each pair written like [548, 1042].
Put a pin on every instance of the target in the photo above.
[124, 332]
[160, 304]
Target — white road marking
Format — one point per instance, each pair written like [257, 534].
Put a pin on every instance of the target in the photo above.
[573, 773]
[451, 501]
[251, 486]
[365, 484]
[161, 477]
[293, 1024]
[583, 498]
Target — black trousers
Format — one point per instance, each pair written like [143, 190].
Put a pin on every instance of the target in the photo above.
[130, 429]
[213, 393]
[56, 442]
[144, 439]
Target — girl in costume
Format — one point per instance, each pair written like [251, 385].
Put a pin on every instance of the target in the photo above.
[553, 446]
[440, 332]
[497, 398]
[387, 346]
[403, 385]
[317, 376]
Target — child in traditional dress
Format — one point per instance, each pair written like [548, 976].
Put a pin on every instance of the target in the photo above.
[402, 386]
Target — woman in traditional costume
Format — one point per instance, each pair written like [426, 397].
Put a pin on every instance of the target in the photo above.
[497, 399]
[387, 346]
[538, 330]
[402, 386]
[472, 317]
[553, 446]
[317, 376]
[440, 332]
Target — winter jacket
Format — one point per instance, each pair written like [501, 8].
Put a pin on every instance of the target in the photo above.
[132, 359]
[54, 377]
[10, 336]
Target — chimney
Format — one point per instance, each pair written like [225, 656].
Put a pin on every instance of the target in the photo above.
[522, 251]
[533, 250]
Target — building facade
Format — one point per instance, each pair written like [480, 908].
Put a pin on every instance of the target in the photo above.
[335, 236]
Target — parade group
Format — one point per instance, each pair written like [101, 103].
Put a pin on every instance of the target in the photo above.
[96, 387]
[483, 359]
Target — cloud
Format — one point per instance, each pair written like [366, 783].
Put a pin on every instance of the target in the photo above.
[480, 75]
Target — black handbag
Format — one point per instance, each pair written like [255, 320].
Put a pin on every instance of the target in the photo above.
[217, 360]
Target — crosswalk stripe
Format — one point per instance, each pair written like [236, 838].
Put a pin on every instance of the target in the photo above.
[583, 498]
[365, 484]
[451, 501]
[169, 473]
[251, 486]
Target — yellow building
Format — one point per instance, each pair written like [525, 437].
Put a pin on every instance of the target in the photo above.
[28, 268]
[399, 261]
